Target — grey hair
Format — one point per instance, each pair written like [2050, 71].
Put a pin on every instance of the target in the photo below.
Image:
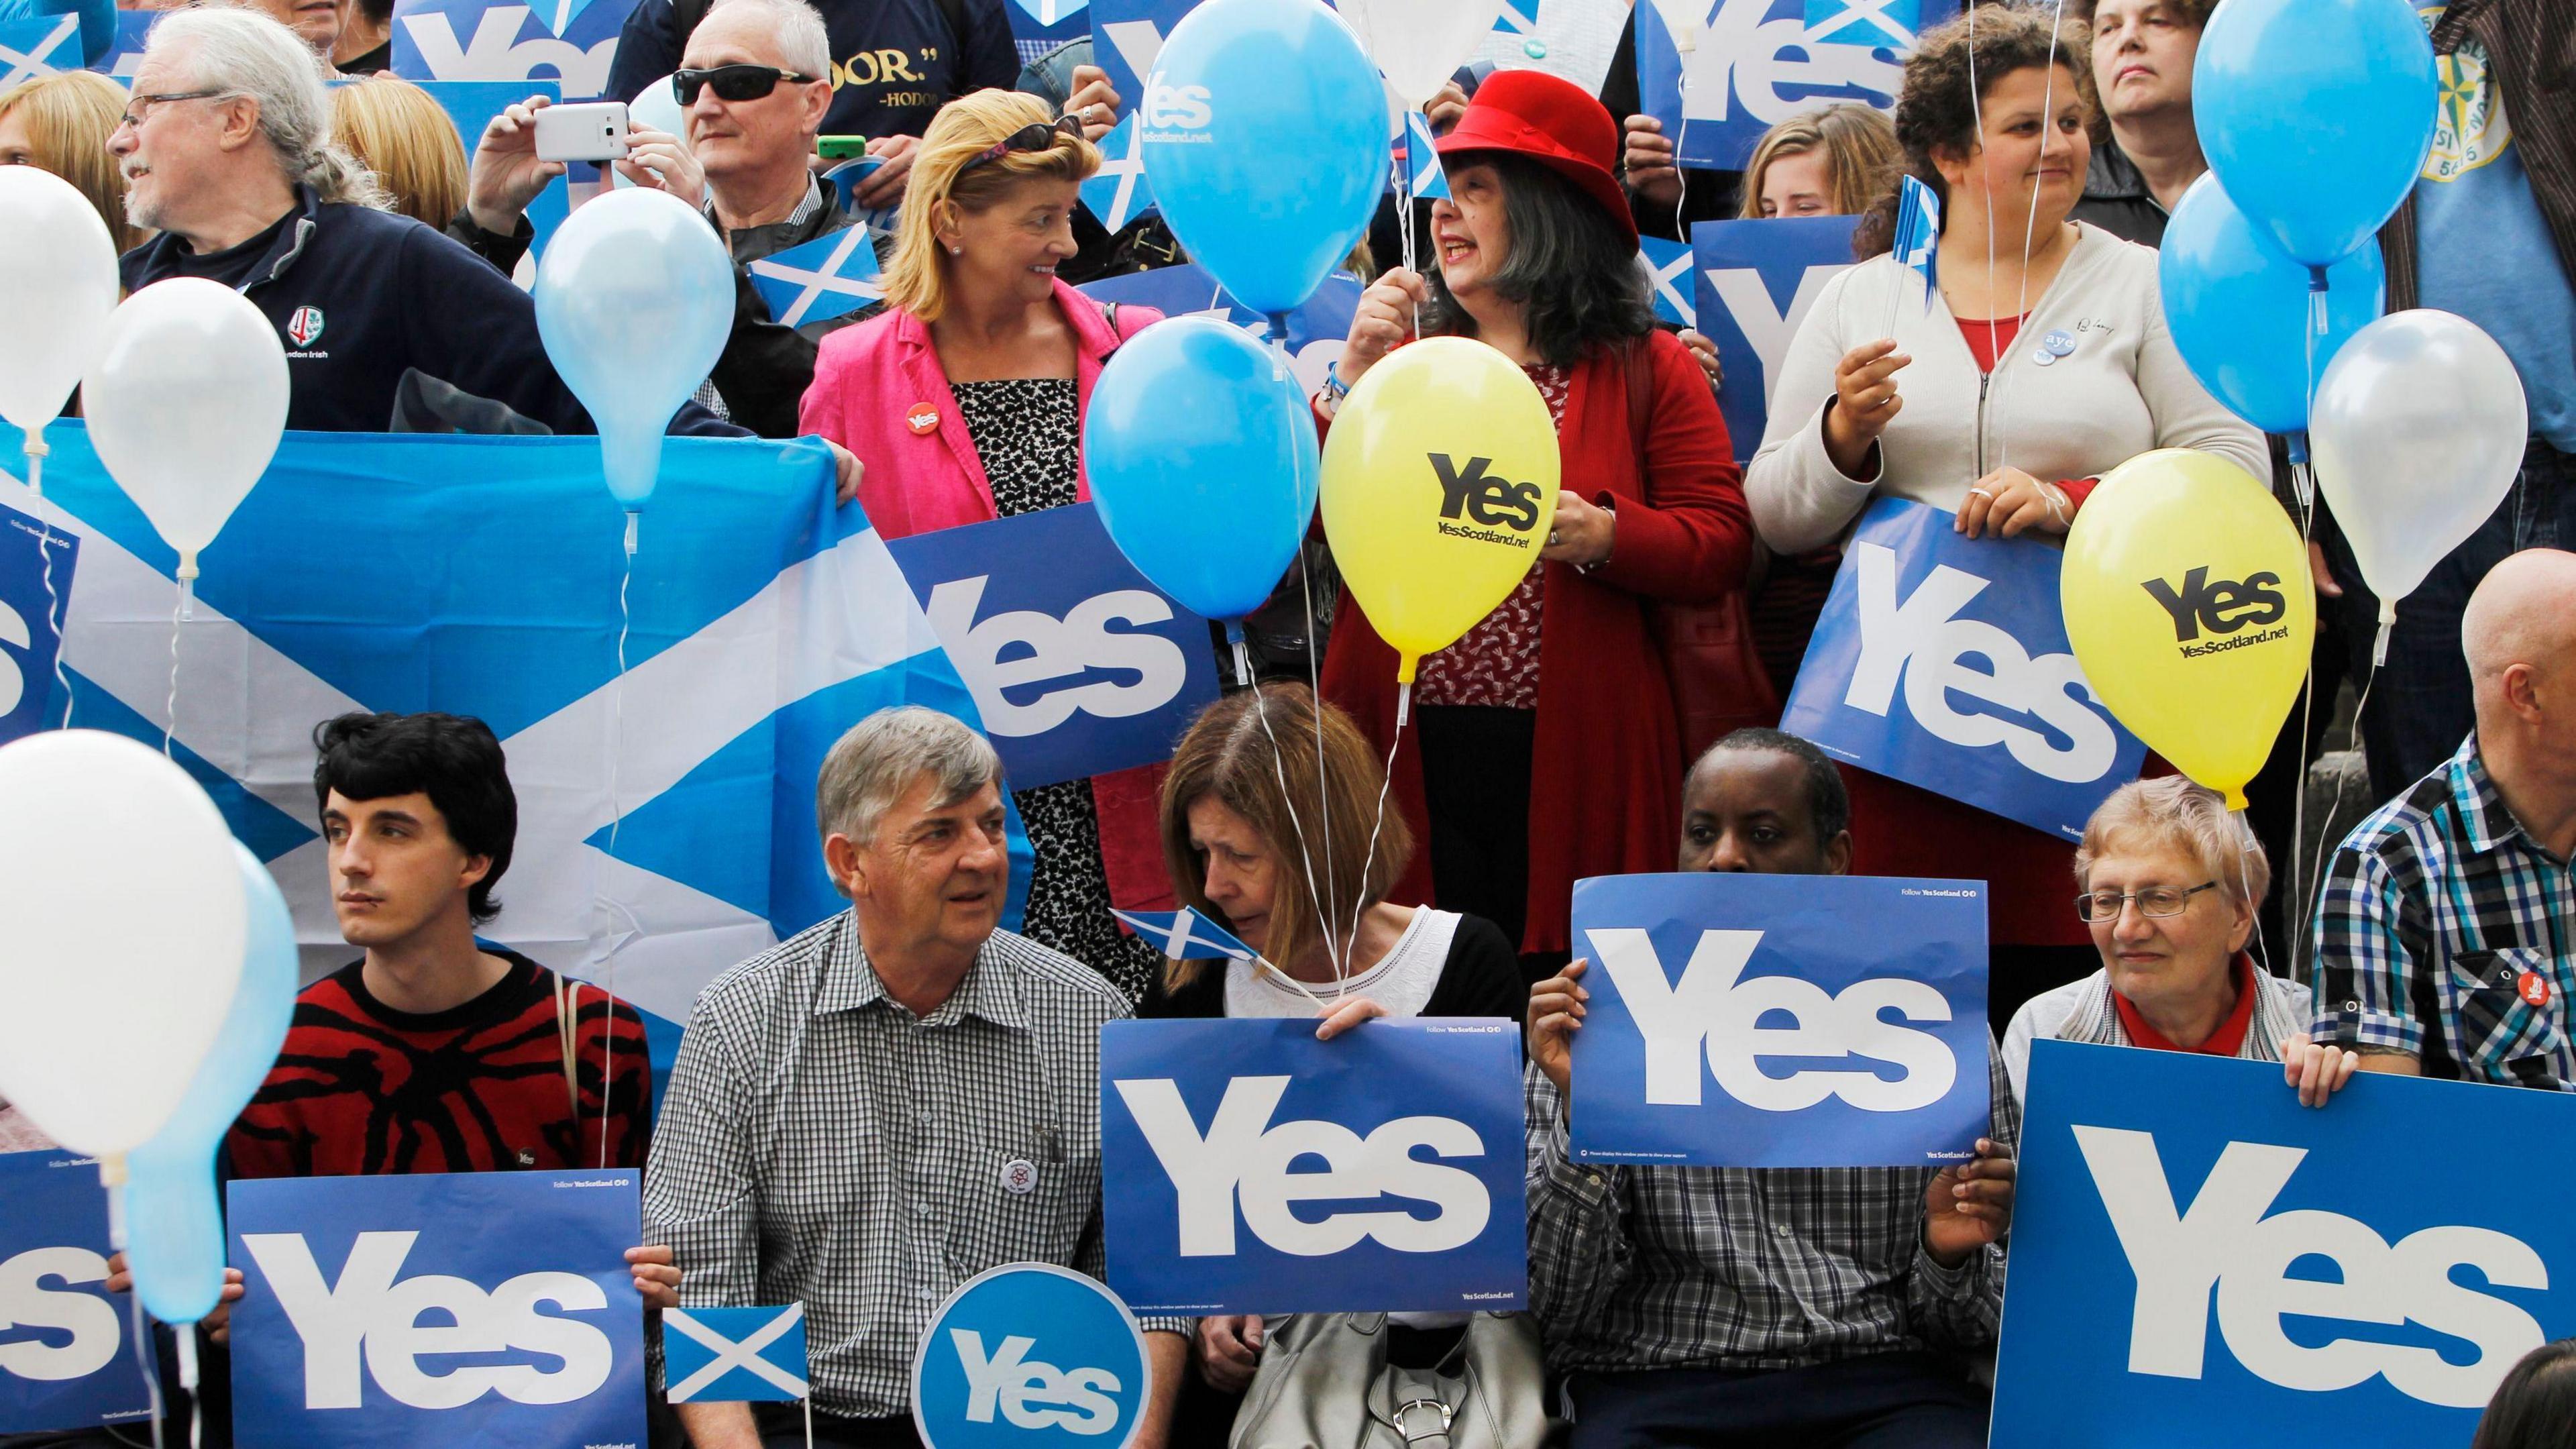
[803, 41]
[871, 767]
[243, 53]
[2171, 810]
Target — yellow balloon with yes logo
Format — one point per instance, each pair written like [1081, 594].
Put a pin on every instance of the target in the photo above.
[1439, 487]
[2187, 600]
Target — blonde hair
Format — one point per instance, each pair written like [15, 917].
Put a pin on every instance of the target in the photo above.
[964, 129]
[70, 117]
[1860, 154]
[406, 141]
[2171, 811]
[1229, 756]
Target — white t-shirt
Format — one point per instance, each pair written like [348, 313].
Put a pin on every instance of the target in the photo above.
[1402, 980]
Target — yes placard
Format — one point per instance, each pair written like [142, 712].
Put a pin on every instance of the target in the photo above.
[1248, 1168]
[66, 1356]
[1754, 282]
[571, 42]
[1755, 63]
[1746, 1021]
[484, 1308]
[1942, 661]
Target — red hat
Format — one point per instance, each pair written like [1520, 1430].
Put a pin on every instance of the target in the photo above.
[1553, 122]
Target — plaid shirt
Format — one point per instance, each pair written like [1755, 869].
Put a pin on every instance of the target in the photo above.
[2437, 922]
[1737, 1268]
[820, 1143]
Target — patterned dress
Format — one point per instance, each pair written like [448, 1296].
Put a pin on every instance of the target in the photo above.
[1497, 662]
[1027, 432]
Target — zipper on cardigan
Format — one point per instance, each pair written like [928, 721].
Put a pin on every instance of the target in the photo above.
[1983, 378]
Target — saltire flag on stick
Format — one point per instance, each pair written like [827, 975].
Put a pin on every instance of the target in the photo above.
[1917, 238]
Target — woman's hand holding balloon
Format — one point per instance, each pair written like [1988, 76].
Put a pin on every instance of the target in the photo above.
[1383, 321]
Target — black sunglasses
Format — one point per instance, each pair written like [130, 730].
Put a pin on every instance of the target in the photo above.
[1035, 136]
[744, 82]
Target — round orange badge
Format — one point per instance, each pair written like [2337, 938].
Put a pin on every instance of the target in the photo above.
[2535, 988]
[922, 418]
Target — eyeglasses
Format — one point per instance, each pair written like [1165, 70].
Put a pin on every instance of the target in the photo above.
[1035, 136]
[2100, 907]
[144, 103]
[744, 82]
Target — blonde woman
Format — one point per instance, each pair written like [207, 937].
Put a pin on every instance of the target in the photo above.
[60, 123]
[963, 401]
[396, 131]
[1827, 162]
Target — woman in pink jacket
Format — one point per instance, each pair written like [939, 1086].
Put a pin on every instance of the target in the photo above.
[964, 402]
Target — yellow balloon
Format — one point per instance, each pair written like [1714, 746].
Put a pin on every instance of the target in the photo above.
[1439, 487]
[2187, 599]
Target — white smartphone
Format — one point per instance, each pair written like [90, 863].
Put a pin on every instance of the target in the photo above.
[583, 131]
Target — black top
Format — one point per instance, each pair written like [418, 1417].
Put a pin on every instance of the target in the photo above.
[1482, 977]
[2116, 197]
[234, 265]
[369, 62]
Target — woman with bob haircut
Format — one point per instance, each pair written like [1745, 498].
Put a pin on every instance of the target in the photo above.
[61, 123]
[1832, 161]
[404, 137]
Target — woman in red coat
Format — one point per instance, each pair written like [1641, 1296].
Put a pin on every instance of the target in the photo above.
[1543, 746]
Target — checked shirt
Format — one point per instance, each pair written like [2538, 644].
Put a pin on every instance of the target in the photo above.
[820, 1143]
[2438, 923]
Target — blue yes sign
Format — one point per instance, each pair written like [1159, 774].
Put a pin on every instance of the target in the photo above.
[2191, 1246]
[1030, 1356]
[1942, 661]
[490, 1308]
[65, 1361]
[1750, 1021]
[1248, 1168]
[1753, 283]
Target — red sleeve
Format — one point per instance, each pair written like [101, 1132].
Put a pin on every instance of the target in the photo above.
[2077, 490]
[1690, 539]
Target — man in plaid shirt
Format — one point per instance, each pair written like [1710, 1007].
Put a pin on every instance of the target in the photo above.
[1709, 1306]
[2445, 920]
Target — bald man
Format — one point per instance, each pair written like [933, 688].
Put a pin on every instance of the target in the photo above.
[2446, 926]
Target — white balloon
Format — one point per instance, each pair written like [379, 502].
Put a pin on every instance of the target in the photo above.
[186, 405]
[2416, 433]
[122, 927]
[57, 286]
[1419, 44]
[657, 106]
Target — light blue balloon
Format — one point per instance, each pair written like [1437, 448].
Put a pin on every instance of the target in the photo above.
[2317, 115]
[174, 1230]
[2240, 313]
[1203, 462]
[1265, 143]
[634, 299]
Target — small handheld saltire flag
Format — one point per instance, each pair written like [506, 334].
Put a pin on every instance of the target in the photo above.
[1863, 22]
[1518, 17]
[1185, 935]
[1918, 234]
[1416, 162]
[37, 45]
[1668, 266]
[735, 1355]
[822, 279]
[1118, 192]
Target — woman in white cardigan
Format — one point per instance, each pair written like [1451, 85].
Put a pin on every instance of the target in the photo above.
[2039, 363]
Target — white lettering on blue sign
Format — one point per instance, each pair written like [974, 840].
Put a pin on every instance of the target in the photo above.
[1766, 328]
[1044, 648]
[25, 1302]
[496, 53]
[1031, 1394]
[1174, 108]
[2224, 1246]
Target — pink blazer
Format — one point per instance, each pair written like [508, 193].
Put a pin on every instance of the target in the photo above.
[872, 381]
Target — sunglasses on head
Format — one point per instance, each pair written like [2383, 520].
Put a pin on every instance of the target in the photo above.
[743, 82]
[1035, 136]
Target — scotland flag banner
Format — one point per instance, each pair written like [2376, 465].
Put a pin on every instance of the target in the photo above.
[830, 276]
[534, 1334]
[2192, 1246]
[1917, 238]
[666, 821]
[1078, 664]
[1185, 935]
[36, 565]
[1119, 193]
[735, 1355]
[1755, 281]
[1741, 1021]
[66, 1356]
[1417, 170]
[1669, 271]
[1248, 1168]
[38, 46]
[1316, 330]
[1942, 661]
[1755, 63]
[569, 41]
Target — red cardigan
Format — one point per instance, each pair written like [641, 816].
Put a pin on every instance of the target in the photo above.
[1606, 766]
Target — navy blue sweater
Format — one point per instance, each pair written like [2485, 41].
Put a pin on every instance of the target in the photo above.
[894, 62]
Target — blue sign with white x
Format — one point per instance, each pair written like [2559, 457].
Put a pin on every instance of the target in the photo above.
[1119, 193]
[1185, 935]
[1417, 165]
[735, 1355]
[38, 46]
[827, 277]
[1668, 265]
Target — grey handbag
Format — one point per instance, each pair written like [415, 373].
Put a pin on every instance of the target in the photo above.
[1325, 1383]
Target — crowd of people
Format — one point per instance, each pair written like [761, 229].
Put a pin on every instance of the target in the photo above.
[839, 1106]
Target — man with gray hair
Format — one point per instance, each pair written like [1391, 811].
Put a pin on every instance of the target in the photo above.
[874, 1111]
[226, 150]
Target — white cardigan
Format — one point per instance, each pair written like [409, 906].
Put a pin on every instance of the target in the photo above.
[2122, 391]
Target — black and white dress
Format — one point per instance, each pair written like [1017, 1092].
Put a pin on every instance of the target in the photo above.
[1027, 432]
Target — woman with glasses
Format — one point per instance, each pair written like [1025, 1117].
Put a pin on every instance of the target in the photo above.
[964, 401]
[2168, 882]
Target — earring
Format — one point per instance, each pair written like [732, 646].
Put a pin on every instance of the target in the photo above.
[957, 251]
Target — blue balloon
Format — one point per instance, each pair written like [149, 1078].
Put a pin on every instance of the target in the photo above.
[2317, 114]
[634, 299]
[174, 1230]
[2240, 312]
[1266, 144]
[97, 21]
[1203, 462]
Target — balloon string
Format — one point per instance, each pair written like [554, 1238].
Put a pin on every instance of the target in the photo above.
[2029, 235]
[55, 614]
[1315, 697]
[170, 716]
[616, 817]
[1385, 778]
[1261, 708]
[143, 1356]
[2245, 883]
[2307, 908]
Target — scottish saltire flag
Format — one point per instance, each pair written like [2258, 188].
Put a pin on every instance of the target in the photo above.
[36, 566]
[1668, 267]
[880, 221]
[735, 1355]
[666, 822]
[1417, 165]
[1119, 193]
[570, 41]
[1185, 935]
[824, 278]
[1917, 241]
[1864, 22]
[1518, 17]
[38, 45]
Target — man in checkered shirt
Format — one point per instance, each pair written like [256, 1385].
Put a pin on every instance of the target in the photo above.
[2446, 924]
[869, 1114]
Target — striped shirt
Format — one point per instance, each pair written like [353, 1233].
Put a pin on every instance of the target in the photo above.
[2443, 932]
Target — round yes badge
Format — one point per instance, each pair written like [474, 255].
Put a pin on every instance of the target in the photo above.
[1029, 1356]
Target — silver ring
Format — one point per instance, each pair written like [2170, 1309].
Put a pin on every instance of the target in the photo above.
[1553, 539]
[1981, 493]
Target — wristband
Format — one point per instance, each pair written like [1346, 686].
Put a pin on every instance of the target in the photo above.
[1334, 387]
